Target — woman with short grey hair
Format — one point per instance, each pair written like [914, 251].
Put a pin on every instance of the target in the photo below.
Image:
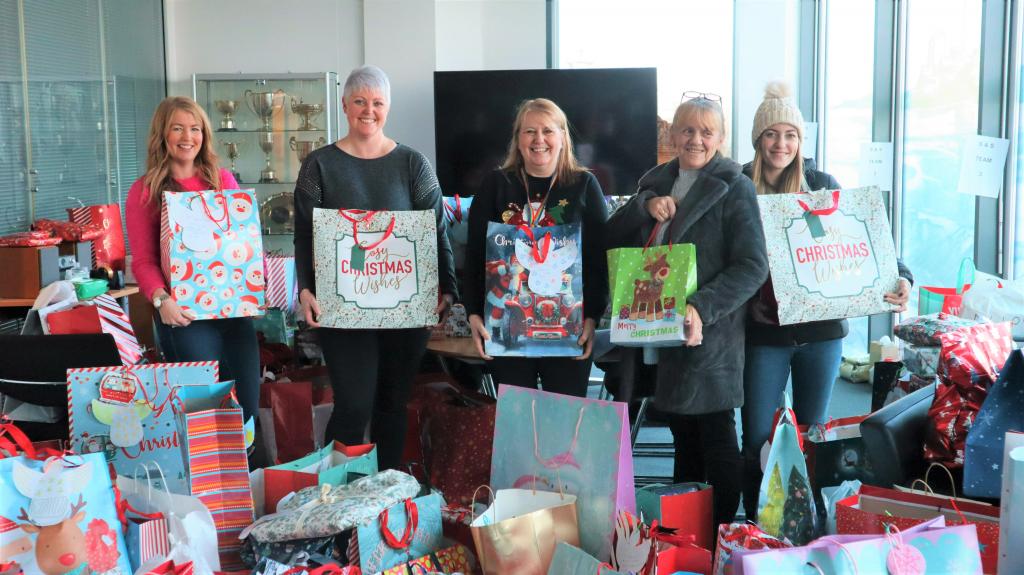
[371, 370]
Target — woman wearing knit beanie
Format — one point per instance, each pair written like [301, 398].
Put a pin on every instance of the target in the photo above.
[811, 351]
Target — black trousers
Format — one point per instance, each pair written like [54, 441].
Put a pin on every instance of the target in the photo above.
[372, 372]
[563, 375]
[707, 451]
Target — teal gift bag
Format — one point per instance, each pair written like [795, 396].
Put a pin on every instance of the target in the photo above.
[569, 560]
[401, 533]
[786, 507]
[331, 465]
[555, 442]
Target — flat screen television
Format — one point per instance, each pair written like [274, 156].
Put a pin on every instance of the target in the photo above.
[612, 118]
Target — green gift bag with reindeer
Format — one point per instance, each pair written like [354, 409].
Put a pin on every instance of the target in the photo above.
[649, 289]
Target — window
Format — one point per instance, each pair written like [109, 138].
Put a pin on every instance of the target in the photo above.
[849, 85]
[689, 42]
[941, 108]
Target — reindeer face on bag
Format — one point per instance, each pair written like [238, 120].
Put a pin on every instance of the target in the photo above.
[61, 546]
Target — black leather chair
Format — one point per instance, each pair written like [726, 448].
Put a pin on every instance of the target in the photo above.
[894, 436]
[33, 369]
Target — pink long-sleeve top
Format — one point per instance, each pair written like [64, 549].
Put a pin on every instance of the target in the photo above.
[143, 222]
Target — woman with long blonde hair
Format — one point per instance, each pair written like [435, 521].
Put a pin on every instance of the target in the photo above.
[181, 158]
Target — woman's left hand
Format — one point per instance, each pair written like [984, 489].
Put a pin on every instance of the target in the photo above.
[694, 327]
[586, 341]
[899, 297]
[443, 308]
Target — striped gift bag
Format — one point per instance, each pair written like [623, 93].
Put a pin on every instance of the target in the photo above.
[282, 288]
[213, 448]
[108, 249]
[105, 316]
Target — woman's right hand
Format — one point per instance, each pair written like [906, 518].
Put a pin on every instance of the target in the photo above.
[476, 325]
[661, 208]
[309, 308]
[172, 315]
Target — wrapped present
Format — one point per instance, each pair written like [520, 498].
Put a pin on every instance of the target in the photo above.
[970, 361]
[455, 522]
[736, 536]
[581, 446]
[534, 278]
[108, 249]
[922, 360]
[36, 238]
[210, 430]
[649, 287]
[282, 287]
[1002, 411]
[211, 251]
[69, 231]
[454, 559]
[927, 329]
[830, 253]
[375, 269]
[1011, 527]
[125, 413]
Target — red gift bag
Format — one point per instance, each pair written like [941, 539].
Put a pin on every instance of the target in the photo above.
[108, 248]
[105, 316]
[686, 557]
[680, 507]
[289, 407]
[969, 363]
[873, 507]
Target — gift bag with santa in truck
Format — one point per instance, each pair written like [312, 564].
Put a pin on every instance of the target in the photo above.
[534, 299]
[211, 251]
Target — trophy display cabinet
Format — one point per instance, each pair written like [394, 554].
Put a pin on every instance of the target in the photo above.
[264, 126]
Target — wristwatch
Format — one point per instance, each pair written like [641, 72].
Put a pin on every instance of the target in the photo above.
[158, 300]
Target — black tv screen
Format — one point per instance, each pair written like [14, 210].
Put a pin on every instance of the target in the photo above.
[612, 118]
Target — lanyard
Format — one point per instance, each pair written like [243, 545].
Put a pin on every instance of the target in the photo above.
[532, 218]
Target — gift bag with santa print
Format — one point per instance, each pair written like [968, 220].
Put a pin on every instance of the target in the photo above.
[375, 269]
[211, 251]
[534, 282]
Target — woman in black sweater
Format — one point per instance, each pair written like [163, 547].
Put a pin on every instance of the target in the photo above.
[540, 181]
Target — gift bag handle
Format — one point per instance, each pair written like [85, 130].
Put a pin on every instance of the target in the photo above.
[538, 254]
[367, 216]
[842, 548]
[18, 441]
[472, 503]
[654, 234]
[927, 474]
[822, 211]
[225, 217]
[412, 522]
[558, 460]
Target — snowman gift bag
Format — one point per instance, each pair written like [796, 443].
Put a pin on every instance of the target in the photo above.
[534, 281]
[211, 252]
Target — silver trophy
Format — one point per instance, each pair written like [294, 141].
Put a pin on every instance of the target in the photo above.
[302, 148]
[233, 149]
[267, 174]
[226, 107]
[308, 112]
[264, 105]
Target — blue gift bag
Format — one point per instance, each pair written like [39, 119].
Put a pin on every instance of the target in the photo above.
[389, 540]
[1002, 411]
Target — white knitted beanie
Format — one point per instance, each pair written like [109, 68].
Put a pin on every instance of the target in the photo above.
[778, 107]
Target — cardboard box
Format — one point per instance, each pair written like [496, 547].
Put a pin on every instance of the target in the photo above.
[27, 270]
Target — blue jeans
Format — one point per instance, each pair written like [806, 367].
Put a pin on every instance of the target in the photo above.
[231, 342]
[814, 367]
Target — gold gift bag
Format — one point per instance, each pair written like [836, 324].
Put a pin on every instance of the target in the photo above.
[518, 533]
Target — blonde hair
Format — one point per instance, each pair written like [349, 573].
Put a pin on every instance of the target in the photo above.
[568, 168]
[158, 158]
[790, 181]
[708, 114]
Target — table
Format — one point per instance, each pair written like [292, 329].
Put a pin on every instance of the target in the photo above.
[27, 302]
[461, 349]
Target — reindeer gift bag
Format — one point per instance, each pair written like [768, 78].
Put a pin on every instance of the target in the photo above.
[534, 281]
[58, 516]
[211, 249]
[649, 287]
